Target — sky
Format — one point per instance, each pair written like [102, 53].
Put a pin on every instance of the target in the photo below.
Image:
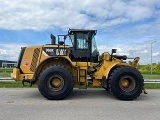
[130, 26]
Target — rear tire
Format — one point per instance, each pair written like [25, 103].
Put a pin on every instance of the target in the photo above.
[126, 83]
[55, 82]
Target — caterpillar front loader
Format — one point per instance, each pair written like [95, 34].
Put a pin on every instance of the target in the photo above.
[75, 60]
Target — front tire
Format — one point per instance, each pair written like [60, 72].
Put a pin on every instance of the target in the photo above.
[55, 82]
[126, 83]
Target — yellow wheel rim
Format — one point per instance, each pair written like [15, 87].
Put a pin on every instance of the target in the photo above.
[124, 83]
[127, 83]
[56, 83]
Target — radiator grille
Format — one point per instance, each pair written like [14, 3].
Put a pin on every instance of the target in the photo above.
[34, 59]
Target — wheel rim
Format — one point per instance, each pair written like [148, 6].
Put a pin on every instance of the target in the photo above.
[127, 83]
[56, 83]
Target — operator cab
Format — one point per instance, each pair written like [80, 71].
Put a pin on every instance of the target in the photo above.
[84, 46]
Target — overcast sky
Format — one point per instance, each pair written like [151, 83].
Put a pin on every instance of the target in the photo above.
[130, 26]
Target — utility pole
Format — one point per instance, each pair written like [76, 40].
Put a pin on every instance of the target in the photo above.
[151, 55]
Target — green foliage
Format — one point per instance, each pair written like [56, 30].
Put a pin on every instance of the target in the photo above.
[146, 69]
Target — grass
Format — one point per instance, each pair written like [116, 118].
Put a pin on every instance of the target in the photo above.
[5, 72]
[152, 86]
[19, 85]
[15, 85]
[151, 76]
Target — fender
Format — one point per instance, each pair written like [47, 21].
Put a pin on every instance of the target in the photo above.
[106, 68]
[107, 73]
[111, 67]
[46, 61]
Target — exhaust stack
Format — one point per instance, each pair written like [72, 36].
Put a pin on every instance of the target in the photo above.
[53, 39]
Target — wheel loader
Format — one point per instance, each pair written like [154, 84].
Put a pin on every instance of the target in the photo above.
[74, 60]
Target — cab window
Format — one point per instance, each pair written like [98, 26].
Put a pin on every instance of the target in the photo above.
[82, 41]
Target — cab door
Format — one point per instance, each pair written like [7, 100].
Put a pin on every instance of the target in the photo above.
[81, 50]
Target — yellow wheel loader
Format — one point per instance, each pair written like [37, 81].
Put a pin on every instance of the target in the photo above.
[72, 60]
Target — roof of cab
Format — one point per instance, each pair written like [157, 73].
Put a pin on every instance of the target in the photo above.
[81, 30]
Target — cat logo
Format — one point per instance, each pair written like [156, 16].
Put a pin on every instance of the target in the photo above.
[61, 52]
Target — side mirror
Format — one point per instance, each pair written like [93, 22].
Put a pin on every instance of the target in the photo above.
[114, 51]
